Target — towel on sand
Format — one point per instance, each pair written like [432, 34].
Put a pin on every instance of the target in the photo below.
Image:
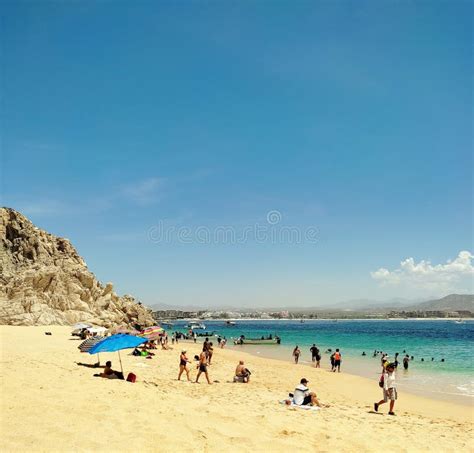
[297, 406]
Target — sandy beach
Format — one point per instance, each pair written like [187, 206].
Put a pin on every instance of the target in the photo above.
[52, 403]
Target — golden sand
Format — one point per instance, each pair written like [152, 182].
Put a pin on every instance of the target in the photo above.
[50, 403]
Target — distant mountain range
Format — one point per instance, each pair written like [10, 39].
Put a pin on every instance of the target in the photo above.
[452, 302]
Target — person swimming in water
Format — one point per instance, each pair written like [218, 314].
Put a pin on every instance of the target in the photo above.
[406, 359]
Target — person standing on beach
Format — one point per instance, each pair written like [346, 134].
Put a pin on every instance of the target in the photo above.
[332, 361]
[389, 389]
[315, 355]
[205, 345]
[183, 365]
[395, 362]
[210, 351]
[314, 350]
[337, 361]
[296, 354]
[202, 367]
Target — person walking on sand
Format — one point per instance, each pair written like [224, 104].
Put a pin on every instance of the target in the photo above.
[337, 361]
[315, 355]
[296, 354]
[202, 367]
[183, 365]
[387, 381]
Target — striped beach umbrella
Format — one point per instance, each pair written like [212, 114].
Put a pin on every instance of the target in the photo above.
[87, 344]
[151, 333]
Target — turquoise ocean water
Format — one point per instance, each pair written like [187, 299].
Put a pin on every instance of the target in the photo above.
[452, 379]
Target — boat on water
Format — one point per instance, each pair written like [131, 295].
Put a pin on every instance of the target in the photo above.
[166, 323]
[230, 323]
[268, 340]
[193, 325]
[459, 321]
[205, 333]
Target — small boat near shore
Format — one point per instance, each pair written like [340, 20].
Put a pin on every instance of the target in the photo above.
[196, 325]
[262, 341]
[230, 323]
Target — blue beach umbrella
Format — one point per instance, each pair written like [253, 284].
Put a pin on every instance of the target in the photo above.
[116, 343]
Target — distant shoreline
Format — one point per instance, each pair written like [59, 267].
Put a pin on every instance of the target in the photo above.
[317, 319]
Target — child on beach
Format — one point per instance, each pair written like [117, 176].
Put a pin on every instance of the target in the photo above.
[389, 389]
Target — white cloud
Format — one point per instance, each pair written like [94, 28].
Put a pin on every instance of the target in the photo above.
[424, 275]
[145, 191]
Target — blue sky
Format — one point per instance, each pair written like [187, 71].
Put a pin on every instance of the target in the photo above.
[352, 118]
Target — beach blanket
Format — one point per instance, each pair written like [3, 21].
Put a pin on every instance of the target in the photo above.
[297, 406]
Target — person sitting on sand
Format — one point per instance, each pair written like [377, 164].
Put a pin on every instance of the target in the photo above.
[202, 367]
[109, 373]
[389, 389]
[303, 397]
[296, 354]
[183, 365]
[242, 374]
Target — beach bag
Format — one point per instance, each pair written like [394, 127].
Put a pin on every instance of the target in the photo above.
[381, 381]
[131, 377]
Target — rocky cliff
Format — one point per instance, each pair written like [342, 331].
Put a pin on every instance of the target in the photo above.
[43, 280]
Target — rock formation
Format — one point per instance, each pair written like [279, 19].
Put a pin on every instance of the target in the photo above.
[44, 281]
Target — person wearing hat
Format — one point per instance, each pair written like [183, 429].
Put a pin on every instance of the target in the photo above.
[183, 362]
[389, 389]
[303, 397]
